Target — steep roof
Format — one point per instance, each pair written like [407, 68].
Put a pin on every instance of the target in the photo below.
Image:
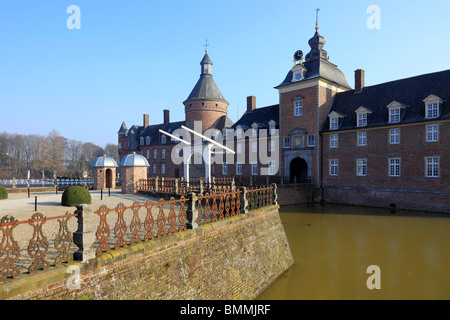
[206, 88]
[259, 115]
[409, 92]
[317, 65]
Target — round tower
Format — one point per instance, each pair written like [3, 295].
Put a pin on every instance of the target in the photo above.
[205, 103]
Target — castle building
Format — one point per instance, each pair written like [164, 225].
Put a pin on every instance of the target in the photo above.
[380, 145]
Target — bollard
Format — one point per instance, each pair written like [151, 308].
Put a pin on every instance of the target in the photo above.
[28, 192]
[35, 203]
[101, 194]
[109, 192]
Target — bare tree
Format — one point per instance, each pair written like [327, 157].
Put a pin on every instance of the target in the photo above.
[56, 153]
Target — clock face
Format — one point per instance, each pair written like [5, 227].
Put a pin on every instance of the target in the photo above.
[298, 76]
[298, 55]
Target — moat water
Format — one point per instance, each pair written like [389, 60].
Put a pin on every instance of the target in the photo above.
[333, 246]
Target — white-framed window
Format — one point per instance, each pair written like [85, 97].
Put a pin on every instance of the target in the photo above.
[224, 168]
[432, 110]
[334, 123]
[394, 167]
[361, 167]
[163, 154]
[287, 142]
[163, 168]
[432, 167]
[432, 134]
[271, 167]
[154, 168]
[394, 136]
[334, 167]
[394, 115]
[239, 168]
[362, 120]
[310, 140]
[163, 139]
[334, 141]
[362, 138]
[298, 108]
[254, 168]
[148, 153]
[141, 141]
[155, 154]
[147, 140]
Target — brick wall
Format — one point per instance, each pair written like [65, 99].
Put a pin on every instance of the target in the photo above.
[295, 194]
[411, 190]
[237, 258]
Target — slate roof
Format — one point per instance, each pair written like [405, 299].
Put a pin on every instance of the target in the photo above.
[259, 115]
[206, 88]
[410, 92]
[318, 66]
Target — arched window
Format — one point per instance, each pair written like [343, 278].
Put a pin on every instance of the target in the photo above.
[163, 139]
[147, 140]
[142, 141]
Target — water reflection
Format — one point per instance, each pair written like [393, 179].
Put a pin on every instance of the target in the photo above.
[333, 245]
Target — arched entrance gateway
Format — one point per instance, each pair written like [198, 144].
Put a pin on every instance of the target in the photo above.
[298, 170]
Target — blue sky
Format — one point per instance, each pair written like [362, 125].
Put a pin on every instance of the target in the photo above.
[141, 56]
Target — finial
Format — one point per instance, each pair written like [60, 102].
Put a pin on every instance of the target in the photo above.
[317, 19]
[206, 46]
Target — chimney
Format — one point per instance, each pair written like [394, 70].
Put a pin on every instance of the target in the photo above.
[359, 80]
[166, 116]
[146, 120]
[251, 103]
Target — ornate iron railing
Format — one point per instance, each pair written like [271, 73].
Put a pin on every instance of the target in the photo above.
[259, 197]
[218, 206]
[140, 226]
[12, 259]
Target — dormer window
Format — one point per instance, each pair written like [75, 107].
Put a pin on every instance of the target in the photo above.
[335, 120]
[394, 115]
[254, 130]
[163, 139]
[147, 140]
[432, 106]
[141, 142]
[272, 126]
[362, 115]
[432, 110]
[395, 111]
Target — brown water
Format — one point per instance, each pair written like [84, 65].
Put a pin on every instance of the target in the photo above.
[334, 245]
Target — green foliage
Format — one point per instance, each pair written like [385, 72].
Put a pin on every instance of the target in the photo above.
[3, 193]
[74, 196]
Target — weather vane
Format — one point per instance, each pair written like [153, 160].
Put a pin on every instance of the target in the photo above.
[317, 18]
[206, 45]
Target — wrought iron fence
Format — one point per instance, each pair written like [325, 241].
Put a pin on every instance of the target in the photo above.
[39, 251]
[261, 196]
[140, 225]
[212, 207]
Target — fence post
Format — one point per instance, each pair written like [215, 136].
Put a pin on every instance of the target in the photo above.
[243, 200]
[84, 237]
[177, 191]
[275, 195]
[156, 185]
[192, 212]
